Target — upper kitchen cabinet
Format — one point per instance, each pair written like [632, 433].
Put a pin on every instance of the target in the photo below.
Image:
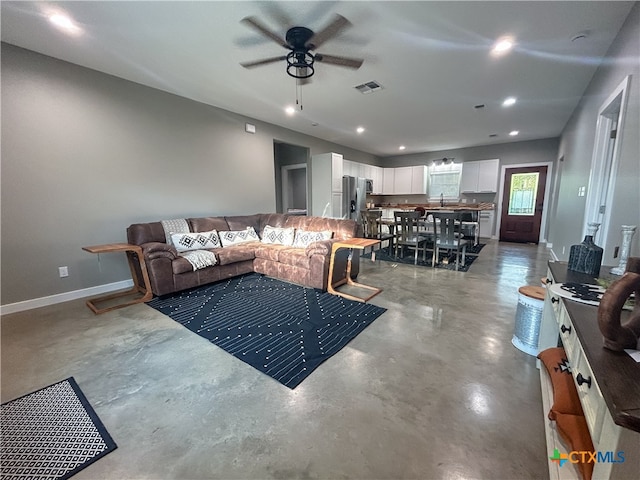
[402, 181]
[326, 184]
[419, 179]
[388, 178]
[480, 177]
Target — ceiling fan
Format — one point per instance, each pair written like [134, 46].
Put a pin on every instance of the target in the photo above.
[302, 42]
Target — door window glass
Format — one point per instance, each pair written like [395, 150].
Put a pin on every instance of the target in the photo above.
[522, 198]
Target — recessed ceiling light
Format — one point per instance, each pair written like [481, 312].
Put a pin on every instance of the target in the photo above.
[360, 129]
[401, 147]
[290, 110]
[509, 101]
[502, 46]
[513, 133]
[65, 23]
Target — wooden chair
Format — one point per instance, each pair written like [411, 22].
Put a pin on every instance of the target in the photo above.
[407, 234]
[372, 227]
[445, 225]
[469, 225]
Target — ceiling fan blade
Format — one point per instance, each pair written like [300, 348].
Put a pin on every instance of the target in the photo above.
[341, 61]
[278, 14]
[338, 24]
[264, 61]
[256, 25]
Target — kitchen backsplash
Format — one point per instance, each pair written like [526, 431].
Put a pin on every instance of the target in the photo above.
[416, 199]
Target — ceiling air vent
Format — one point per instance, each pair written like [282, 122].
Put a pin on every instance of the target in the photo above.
[368, 87]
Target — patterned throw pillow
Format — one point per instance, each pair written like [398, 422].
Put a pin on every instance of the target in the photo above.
[565, 395]
[303, 238]
[280, 236]
[185, 242]
[235, 237]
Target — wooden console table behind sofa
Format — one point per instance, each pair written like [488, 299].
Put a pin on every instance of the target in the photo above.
[608, 382]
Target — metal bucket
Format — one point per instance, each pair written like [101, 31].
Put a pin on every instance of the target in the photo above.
[528, 319]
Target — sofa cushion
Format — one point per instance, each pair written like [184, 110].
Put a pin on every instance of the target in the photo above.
[236, 237]
[236, 253]
[181, 265]
[278, 235]
[269, 251]
[206, 224]
[295, 257]
[185, 242]
[341, 228]
[304, 238]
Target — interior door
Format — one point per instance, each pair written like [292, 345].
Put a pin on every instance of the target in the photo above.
[522, 204]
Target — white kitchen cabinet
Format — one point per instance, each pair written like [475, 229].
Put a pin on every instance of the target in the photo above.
[488, 173]
[402, 181]
[326, 184]
[469, 178]
[388, 179]
[480, 177]
[378, 175]
[486, 220]
[419, 179]
[348, 168]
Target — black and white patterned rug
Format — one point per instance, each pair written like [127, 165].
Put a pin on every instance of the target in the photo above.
[51, 433]
[286, 331]
[446, 261]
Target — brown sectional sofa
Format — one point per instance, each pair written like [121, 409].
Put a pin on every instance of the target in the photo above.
[169, 272]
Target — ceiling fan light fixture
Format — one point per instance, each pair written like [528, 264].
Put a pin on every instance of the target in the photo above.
[300, 64]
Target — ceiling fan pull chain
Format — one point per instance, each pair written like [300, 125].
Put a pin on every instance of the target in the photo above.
[298, 94]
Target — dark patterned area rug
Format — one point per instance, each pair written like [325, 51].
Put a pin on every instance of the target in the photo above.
[286, 331]
[447, 262]
[51, 433]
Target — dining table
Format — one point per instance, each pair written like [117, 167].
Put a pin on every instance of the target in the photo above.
[425, 225]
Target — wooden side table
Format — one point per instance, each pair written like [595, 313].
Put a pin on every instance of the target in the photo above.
[351, 243]
[132, 251]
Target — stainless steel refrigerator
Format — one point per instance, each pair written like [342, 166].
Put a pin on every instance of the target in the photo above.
[354, 197]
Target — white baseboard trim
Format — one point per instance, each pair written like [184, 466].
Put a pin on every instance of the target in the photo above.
[64, 297]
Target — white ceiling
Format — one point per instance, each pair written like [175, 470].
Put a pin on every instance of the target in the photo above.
[432, 59]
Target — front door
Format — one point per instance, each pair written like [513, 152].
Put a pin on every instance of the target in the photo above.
[522, 202]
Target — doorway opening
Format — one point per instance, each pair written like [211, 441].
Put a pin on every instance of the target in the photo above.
[291, 179]
[294, 188]
[604, 164]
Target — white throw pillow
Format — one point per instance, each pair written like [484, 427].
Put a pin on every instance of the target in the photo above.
[195, 241]
[279, 236]
[235, 237]
[304, 238]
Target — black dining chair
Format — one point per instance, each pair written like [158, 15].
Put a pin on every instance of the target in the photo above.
[447, 236]
[407, 234]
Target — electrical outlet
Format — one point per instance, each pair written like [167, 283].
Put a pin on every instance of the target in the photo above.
[63, 271]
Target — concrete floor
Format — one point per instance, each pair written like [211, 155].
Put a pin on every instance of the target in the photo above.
[433, 389]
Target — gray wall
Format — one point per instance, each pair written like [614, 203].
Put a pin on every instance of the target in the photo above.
[532, 151]
[86, 154]
[577, 144]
